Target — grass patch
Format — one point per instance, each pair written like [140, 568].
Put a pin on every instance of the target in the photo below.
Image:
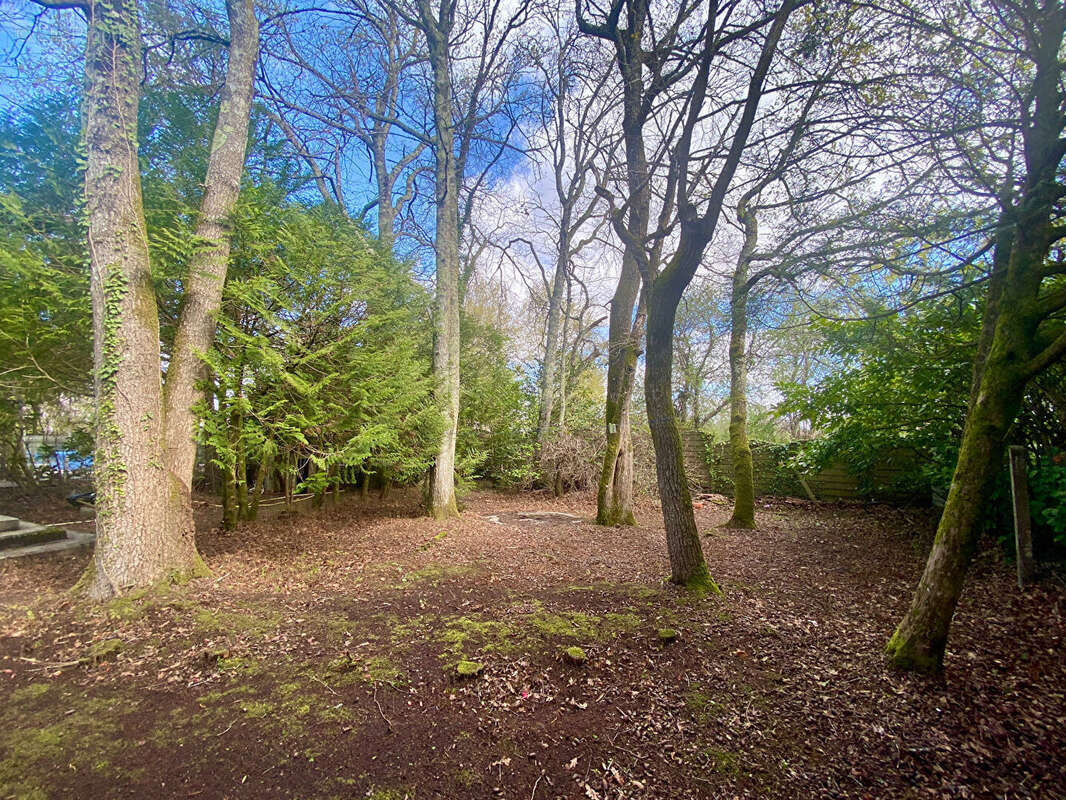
[29, 693]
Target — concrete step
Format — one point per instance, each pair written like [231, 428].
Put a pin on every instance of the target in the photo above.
[29, 534]
[8, 523]
[72, 540]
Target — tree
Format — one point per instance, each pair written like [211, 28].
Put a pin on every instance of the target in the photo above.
[350, 85]
[460, 119]
[142, 465]
[320, 370]
[573, 110]
[1014, 114]
[670, 59]
[206, 271]
[698, 334]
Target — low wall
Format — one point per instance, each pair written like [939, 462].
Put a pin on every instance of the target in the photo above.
[710, 469]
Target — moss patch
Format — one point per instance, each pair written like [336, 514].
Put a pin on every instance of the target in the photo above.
[436, 573]
[106, 650]
[31, 692]
[86, 737]
[468, 669]
[723, 762]
[575, 655]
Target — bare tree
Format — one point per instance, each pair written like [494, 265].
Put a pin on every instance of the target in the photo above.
[345, 87]
[470, 92]
[574, 106]
[724, 39]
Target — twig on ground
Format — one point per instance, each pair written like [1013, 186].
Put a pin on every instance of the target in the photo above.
[380, 711]
[316, 678]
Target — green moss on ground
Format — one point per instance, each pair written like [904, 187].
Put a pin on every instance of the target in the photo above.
[575, 655]
[87, 737]
[722, 761]
[468, 669]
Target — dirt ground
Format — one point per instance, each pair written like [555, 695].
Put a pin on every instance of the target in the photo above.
[320, 661]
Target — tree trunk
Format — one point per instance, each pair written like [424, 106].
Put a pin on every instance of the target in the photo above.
[240, 467]
[135, 544]
[614, 498]
[624, 333]
[743, 469]
[548, 377]
[921, 638]
[442, 502]
[262, 475]
[1010, 352]
[207, 267]
[687, 566]
[230, 508]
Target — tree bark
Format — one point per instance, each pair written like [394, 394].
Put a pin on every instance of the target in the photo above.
[687, 565]
[207, 268]
[442, 503]
[614, 498]
[135, 545]
[743, 469]
[921, 638]
[548, 375]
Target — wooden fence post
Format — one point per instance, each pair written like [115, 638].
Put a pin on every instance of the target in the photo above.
[1023, 531]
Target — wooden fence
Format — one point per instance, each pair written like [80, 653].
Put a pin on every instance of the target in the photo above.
[710, 469]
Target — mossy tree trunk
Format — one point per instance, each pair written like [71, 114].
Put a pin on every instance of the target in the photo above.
[687, 565]
[1021, 336]
[135, 545]
[144, 509]
[614, 499]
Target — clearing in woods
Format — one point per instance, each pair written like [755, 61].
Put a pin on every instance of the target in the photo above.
[323, 660]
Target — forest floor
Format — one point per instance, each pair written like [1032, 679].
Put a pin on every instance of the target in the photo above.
[319, 662]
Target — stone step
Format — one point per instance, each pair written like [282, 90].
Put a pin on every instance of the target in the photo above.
[72, 541]
[27, 534]
[8, 523]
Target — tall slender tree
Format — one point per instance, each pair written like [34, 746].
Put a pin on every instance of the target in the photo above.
[202, 297]
[469, 106]
[682, 63]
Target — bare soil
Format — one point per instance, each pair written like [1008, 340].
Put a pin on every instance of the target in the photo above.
[320, 661]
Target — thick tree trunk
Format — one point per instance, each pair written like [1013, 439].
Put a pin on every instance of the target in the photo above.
[442, 503]
[135, 544]
[687, 566]
[207, 268]
[743, 469]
